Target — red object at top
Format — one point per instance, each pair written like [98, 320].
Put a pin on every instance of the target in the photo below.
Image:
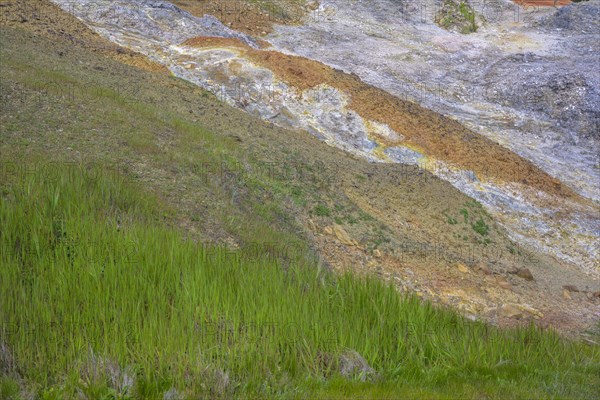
[543, 3]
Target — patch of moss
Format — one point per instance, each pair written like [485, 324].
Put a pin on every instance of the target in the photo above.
[457, 16]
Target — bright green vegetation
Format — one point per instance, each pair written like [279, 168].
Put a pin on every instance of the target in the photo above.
[481, 227]
[99, 296]
[458, 16]
[322, 211]
[473, 217]
[450, 220]
[469, 15]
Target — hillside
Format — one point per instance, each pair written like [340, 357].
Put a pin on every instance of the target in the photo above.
[139, 209]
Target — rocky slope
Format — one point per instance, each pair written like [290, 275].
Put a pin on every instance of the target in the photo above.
[422, 247]
[551, 109]
[517, 81]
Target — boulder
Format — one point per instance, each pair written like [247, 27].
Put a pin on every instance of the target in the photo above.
[503, 283]
[524, 273]
[517, 311]
[483, 269]
[343, 236]
[510, 311]
[353, 365]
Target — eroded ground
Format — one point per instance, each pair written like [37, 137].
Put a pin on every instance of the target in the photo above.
[401, 223]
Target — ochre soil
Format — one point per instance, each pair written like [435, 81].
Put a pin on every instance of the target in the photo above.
[247, 16]
[425, 131]
[542, 3]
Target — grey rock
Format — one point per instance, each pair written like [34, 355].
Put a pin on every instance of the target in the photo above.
[582, 17]
[155, 18]
[353, 365]
[172, 394]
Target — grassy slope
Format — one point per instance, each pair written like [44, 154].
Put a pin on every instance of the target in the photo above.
[88, 302]
[177, 314]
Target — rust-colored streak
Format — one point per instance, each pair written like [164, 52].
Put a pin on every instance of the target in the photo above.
[424, 130]
[209, 41]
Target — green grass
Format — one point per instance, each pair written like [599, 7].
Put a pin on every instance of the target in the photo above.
[101, 297]
[465, 214]
[481, 227]
[450, 220]
[469, 15]
[459, 15]
[472, 211]
[322, 211]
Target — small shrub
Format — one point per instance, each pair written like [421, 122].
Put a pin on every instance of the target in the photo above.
[481, 227]
[322, 211]
[465, 214]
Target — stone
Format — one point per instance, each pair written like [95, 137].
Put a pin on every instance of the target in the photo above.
[312, 5]
[524, 273]
[503, 283]
[462, 268]
[566, 294]
[172, 394]
[353, 365]
[531, 310]
[343, 236]
[511, 311]
[483, 269]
